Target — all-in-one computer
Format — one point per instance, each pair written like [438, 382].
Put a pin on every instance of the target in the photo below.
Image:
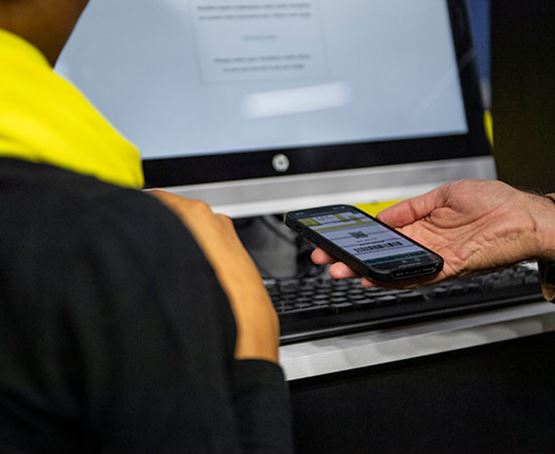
[264, 106]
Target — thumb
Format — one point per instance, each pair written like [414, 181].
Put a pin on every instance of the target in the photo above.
[412, 210]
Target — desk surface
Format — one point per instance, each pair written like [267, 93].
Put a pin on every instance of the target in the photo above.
[343, 353]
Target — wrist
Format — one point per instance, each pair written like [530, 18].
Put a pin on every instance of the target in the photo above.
[249, 348]
[545, 218]
[258, 333]
[257, 342]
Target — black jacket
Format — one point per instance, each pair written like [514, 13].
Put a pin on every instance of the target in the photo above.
[115, 335]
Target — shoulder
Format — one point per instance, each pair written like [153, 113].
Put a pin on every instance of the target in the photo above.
[71, 208]
[57, 219]
[64, 233]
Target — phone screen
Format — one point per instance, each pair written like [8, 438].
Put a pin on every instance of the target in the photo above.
[367, 240]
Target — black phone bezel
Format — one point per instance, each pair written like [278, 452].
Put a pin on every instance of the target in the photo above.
[291, 219]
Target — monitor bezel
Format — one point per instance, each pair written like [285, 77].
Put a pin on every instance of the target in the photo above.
[193, 170]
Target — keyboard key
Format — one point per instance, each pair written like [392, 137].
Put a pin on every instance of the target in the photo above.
[338, 299]
[321, 296]
[440, 292]
[365, 303]
[411, 297]
[300, 314]
[337, 294]
[473, 287]
[457, 289]
[384, 300]
[357, 297]
[341, 307]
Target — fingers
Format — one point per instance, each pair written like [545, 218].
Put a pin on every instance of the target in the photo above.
[337, 270]
[161, 194]
[412, 210]
[195, 214]
[320, 257]
[182, 204]
[398, 215]
[367, 283]
[341, 271]
[178, 204]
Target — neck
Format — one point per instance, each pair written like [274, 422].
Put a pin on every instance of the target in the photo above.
[46, 24]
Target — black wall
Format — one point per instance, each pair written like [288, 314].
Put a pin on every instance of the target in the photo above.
[523, 90]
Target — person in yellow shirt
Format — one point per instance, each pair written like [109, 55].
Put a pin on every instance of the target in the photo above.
[131, 321]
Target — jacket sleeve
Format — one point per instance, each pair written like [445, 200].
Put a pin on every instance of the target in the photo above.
[261, 404]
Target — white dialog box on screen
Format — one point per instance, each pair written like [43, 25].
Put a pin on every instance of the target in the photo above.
[246, 40]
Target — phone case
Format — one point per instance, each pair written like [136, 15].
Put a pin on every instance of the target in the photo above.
[354, 263]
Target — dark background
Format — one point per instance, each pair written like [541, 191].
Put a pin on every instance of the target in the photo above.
[523, 92]
[498, 398]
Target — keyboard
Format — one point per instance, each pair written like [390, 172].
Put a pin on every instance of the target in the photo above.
[310, 308]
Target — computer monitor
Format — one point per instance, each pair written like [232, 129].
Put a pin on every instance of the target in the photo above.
[260, 106]
[523, 84]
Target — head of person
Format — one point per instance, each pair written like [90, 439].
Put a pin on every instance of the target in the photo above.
[47, 24]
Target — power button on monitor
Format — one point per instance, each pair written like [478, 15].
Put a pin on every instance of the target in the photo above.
[280, 162]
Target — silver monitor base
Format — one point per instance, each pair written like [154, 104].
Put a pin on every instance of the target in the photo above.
[279, 194]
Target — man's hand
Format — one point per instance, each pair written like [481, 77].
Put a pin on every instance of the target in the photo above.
[474, 225]
[257, 323]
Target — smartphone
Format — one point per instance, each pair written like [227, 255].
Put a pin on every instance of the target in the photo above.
[366, 245]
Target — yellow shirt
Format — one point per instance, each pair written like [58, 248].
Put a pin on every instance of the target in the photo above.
[45, 119]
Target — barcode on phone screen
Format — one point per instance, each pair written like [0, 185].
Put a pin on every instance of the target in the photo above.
[358, 235]
[374, 247]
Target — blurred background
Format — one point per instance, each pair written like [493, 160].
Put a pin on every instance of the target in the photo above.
[479, 12]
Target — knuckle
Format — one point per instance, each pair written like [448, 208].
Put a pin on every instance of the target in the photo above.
[226, 220]
[157, 193]
[199, 205]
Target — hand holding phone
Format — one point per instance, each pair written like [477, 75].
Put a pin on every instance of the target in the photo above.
[365, 244]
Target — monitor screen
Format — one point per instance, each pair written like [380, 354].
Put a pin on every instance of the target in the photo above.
[219, 90]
